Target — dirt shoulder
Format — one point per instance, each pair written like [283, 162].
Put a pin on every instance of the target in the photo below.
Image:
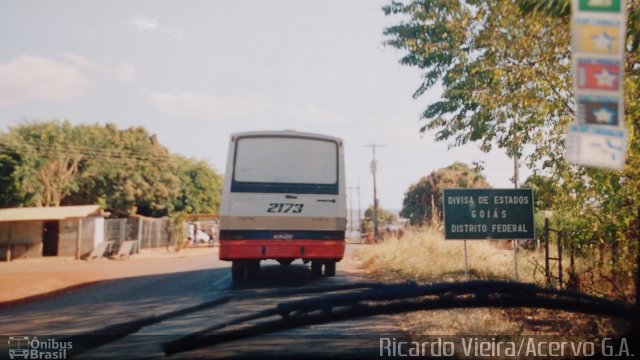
[28, 278]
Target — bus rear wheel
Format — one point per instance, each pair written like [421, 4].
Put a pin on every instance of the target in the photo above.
[253, 270]
[330, 268]
[316, 268]
[242, 270]
[237, 271]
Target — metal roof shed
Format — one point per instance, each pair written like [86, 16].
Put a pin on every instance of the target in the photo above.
[23, 228]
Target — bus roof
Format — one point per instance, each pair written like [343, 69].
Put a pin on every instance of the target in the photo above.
[292, 133]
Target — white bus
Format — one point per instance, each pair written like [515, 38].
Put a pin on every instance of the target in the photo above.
[284, 199]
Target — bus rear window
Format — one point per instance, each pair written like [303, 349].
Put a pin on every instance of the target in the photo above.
[285, 164]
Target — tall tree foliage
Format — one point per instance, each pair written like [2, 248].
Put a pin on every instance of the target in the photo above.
[36, 159]
[125, 171]
[501, 72]
[504, 66]
[546, 191]
[385, 217]
[200, 190]
[422, 198]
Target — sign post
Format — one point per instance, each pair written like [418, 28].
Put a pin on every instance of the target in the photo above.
[488, 214]
[515, 258]
[466, 267]
[514, 241]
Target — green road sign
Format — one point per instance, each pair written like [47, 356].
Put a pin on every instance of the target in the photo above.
[599, 5]
[488, 214]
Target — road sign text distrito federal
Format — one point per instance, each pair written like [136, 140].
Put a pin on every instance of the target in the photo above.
[488, 214]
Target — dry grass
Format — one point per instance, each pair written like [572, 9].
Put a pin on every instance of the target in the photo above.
[423, 255]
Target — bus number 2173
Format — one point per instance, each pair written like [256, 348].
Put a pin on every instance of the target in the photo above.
[285, 208]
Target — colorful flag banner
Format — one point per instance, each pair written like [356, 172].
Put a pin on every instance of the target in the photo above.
[599, 36]
[598, 137]
[598, 74]
[613, 6]
[599, 110]
[598, 146]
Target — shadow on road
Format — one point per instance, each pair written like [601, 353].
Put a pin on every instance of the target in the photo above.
[107, 302]
[278, 276]
[110, 302]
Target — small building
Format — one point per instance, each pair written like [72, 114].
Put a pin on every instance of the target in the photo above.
[50, 231]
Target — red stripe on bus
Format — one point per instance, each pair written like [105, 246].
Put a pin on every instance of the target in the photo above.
[281, 249]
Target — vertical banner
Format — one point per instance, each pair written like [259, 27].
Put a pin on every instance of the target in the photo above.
[598, 137]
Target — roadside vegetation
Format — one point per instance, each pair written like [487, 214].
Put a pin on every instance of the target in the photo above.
[604, 268]
[422, 255]
[125, 171]
[422, 202]
[385, 217]
[505, 70]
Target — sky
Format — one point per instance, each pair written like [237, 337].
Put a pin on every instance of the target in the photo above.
[194, 72]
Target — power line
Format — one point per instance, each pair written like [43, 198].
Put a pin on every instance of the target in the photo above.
[49, 155]
[81, 148]
[52, 151]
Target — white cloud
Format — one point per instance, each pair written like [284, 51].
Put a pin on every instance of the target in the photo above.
[27, 78]
[122, 71]
[144, 23]
[214, 108]
[150, 25]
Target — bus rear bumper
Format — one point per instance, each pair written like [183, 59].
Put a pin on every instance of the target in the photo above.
[281, 249]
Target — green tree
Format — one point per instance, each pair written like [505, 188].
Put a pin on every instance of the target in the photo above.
[546, 191]
[125, 171]
[385, 217]
[422, 198]
[200, 187]
[504, 66]
[12, 193]
[35, 158]
[502, 73]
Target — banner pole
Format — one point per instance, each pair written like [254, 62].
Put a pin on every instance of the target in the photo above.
[515, 257]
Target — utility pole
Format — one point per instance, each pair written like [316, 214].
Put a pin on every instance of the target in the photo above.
[516, 167]
[351, 207]
[359, 210]
[374, 169]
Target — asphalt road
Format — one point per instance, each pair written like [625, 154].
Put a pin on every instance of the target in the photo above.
[98, 308]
